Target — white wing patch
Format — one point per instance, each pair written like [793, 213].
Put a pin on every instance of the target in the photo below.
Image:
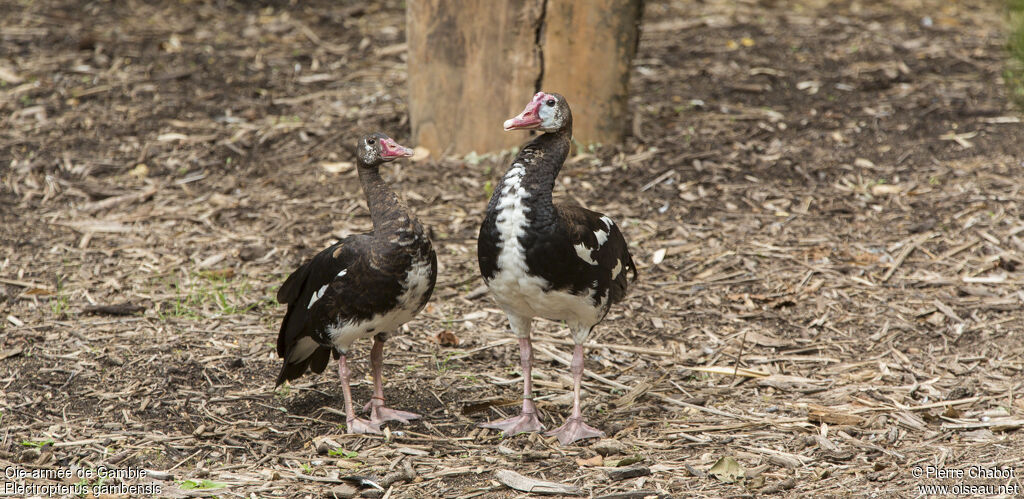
[320, 292]
[316, 296]
[304, 348]
[583, 252]
[601, 235]
[617, 270]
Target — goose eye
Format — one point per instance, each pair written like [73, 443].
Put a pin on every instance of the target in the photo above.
[550, 103]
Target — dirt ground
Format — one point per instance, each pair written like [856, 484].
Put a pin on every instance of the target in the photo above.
[823, 199]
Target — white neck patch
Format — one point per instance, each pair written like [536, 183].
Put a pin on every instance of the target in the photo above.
[511, 221]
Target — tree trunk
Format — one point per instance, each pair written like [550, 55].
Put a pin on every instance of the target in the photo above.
[588, 46]
[475, 63]
[471, 62]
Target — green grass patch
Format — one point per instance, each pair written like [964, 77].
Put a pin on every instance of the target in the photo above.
[210, 294]
[339, 452]
[202, 484]
[60, 303]
[37, 443]
[445, 364]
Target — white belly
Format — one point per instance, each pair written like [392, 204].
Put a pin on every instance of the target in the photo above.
[525, 295]
[414, 288]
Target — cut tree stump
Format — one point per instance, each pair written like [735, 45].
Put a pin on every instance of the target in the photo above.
[470, 64]
[588, 46]
[475, 63]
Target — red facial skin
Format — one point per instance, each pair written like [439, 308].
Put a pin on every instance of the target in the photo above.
[390, 149]
[530, 117]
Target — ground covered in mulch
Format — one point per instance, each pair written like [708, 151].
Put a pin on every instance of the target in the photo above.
[823, 198]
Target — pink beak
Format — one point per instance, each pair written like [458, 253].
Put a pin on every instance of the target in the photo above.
[389, 149]
[530, 117]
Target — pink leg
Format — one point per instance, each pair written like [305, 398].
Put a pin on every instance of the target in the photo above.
[574, 428]
[354, 424]
[526, 421]
[379, 413]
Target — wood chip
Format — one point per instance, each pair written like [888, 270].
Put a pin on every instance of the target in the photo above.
[628, 472]
[994, 425]
[823, 415]
[93, 226]
[117, 309]
[519, 482]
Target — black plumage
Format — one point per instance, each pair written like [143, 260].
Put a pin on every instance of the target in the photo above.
[364, 285]
[560, 262]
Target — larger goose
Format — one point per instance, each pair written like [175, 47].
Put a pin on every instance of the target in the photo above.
[364, 285]
[559, 262]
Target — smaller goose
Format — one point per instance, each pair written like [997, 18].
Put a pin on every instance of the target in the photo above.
[541, 260]
[364, 285]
